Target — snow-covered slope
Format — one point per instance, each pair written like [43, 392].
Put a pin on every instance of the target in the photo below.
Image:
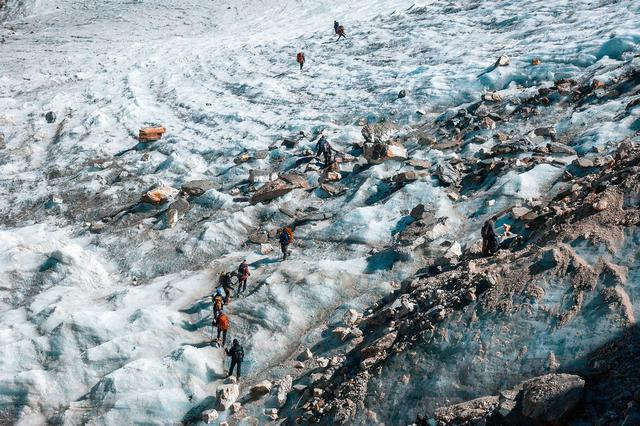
[113, 327]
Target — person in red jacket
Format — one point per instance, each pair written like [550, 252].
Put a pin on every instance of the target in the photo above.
[340, 32]
[300, 59]
[243, 274]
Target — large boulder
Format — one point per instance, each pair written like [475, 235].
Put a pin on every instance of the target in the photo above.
[379, 152]
[548, 398]
[195, 188]
[270, 190]
[227, 395]
[159, 195]
[262, 388]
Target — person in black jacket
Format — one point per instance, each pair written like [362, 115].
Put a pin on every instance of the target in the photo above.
[489, 238]
[237, 355]
[336, 25]
[225, 283]
[323, 147]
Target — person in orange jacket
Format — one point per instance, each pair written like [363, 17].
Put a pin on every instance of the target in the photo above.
[223, 327]
[300, 59]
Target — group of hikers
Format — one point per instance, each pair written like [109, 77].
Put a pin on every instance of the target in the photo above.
[337, 28]
[220, 319]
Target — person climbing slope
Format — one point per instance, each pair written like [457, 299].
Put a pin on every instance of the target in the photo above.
[225, 283]
[300, 59]
[237, 355]
[489, 238]
[286, 238]
[323, 147]
[336, 25]
[243, 274]
[218, 303]
[340, 32]
[223, 326]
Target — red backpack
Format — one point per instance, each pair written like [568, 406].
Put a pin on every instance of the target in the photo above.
[300, 57]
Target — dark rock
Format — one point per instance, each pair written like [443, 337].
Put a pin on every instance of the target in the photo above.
[402, 94]
[547, 132]
[195, 188]
[50, 117]
[447, 174]
[417, 211]
[559, 148]
[583, 163]
[271, 190]
[419, 164]
[548, 398]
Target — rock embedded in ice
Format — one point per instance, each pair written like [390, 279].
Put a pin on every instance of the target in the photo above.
[236, 407]
[502, 61]
[518, 212]
[159, 195]
[419, 164]
[209, 416]
[259, 176]
[487, 123]
[378, 132]
[492, 96]
[242, 158]
[262, 388]
[50, 117]
[351, 317]
[259, 236]
[330, 177]
[402, 94]
[284, 387]
[583, 163]
[231, 380]
[227, 395]
[322, 362]
[560, 148]
[417, 211]
[447, 174]
[342, 333]
[266, 248]
[271, 190]
[195, 188]
[305, 355]
[548, 398]
[546, 132]
[405, 177]
[536, 61]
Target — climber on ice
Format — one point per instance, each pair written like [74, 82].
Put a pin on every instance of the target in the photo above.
[300, 59]
[489, 238]
[225, 282]
[336, 25]
[218, 303]
[243, 273]
[237, 355]
[323, 147]
[223, 326]
[340, 32]
[286, 238]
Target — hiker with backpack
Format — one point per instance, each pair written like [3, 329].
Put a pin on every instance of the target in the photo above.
[243, 274]
[286, 238]
[225, 282]
[323, 147]
[489, 238]
[237, 356]
[218, 303]
[340, 32]
[223, 326]
[336, 25]
[300, 59]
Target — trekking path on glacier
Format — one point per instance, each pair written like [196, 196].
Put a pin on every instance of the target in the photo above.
[113, 327]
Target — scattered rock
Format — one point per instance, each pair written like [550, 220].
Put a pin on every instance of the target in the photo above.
[417, 211]
[559, 148]
[488, 123]
[502, 61]
[330, 177]
[492, 97]
[548, 398]
[518, 212]
[271, 190]
[378, 132]
[601, 205]
[447, 174]
[261, 389]
[536, 61]
[297, 180]
[419, 164]
[195, 188]
[266, 248]
[97, 227]
[317, 392]
[259, 237]
[150, 134]
[322, 362]
[209, 416]
[236, 407]
[227, 395]
[342, 333]
[284, 387]
[378, 152]
[402, 94]
[231, 380]
[405, 177]
[260, 176]
[583, 163]
[50, 117]
[351, 317]
[159, 195]
[242, 158]
[546, 132]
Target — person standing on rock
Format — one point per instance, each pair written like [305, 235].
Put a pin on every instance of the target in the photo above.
[489, 238]
[223, 327]
[243, 274]
[286, 238]
[237, 355]
[300, 59]
[341, 33]
[323, 147]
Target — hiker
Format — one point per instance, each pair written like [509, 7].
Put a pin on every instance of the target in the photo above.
[243, 274]
[218, 303]
[323, 147]
[489, 238]
[300, 59]
[286, 238]
[336, 25]
[223, 325]
[237, 355]
[225, 283]
[340, 32]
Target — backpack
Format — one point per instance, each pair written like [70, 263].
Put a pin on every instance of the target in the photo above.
[300, 57]
[223, 322]
[217, 303]
[289, 233]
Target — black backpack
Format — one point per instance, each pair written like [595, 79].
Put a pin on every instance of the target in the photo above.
[240, 353]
